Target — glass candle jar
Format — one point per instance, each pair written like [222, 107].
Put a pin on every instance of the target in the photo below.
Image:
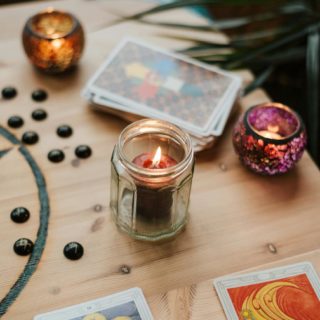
[269, 138]
[151, 175]
[53, 40]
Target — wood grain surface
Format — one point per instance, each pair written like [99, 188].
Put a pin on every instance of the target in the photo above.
[200, 301]
[235, 214]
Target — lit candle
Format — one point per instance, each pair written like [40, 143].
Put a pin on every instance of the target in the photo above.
[157, 160]
[53, 40]
[52, 24]
[270, 133]
[151, 175]
[269, 138]
[154, 202]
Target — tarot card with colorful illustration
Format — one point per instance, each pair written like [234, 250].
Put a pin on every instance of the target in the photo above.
[287, 293]
[155, 83]
[125, 305]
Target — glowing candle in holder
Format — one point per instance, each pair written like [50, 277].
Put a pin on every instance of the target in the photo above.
[154, 161]
[152, 169]
[53, 40]
[269, 138]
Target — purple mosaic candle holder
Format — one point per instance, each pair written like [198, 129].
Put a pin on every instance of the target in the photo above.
[269, 138]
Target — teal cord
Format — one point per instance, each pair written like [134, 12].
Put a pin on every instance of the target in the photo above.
[40, 242]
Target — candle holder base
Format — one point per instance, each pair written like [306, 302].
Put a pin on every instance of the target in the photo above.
[158, 238]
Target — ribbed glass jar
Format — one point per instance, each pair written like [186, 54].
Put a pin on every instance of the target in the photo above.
[151, 204]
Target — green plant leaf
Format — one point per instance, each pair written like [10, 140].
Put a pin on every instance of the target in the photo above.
[232, 23]
[284, 56]
[252, 38]
[191, 3]
[313, 83]
[204, 47]
[254, 53]
[247, 41]
[259, 80]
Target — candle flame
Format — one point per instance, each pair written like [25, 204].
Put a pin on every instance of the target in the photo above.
[273, 128]
[57, 43]
[157, 157]
[270, 135]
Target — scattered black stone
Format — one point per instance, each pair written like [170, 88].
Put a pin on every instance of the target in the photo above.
[73, 251]
[39, 95]
[15, 122]
[83, 151]
[64, 131]
[56, 155]
[30, 137]
[20, 215]
[39, 114]
[23, 247]
[8, 92]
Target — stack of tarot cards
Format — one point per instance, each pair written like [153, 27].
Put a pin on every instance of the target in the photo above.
[141, 81]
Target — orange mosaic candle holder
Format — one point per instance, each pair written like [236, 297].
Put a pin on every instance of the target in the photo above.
[53, 40]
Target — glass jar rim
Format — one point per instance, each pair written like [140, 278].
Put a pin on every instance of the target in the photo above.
[279, 106]
[151, 125]
[75, 24]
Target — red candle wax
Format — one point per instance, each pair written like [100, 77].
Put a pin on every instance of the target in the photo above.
[147, 160]
[154, 203]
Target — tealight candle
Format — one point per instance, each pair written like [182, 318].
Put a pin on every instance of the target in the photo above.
[154, 161]
[152, 168]
[269, 138]
[53, 40]
[270, 133]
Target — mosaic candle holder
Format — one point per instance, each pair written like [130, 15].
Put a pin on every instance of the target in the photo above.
[151, 203]
[53, 40]
[269, 138]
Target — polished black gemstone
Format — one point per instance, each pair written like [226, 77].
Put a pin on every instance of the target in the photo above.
[56, 155]
[23, 247]
[20, 215]
[73, 250]
[30, 137]
[8, 93]
[64, 131]
[39, 114]
[15, 122]
[39, 95]
[83, 151]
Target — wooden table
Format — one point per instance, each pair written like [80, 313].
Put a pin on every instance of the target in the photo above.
[235, 214]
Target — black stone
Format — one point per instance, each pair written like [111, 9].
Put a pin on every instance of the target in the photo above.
[39, 114]
[73, 251]
[20, 215]
[15, 122]
[39, 95]
[8, 92]
[83, 151]
[56, 155]
[64, 131]
[30, 137]
[23, 247]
